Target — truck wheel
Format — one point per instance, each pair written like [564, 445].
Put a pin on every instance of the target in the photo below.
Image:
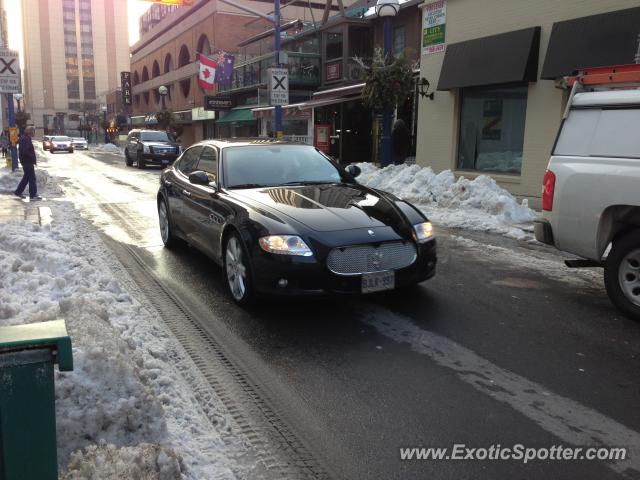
[622, 274]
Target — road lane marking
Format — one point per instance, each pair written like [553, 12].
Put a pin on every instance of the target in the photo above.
[565, 418]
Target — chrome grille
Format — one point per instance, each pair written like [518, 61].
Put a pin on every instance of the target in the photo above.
[359, 259]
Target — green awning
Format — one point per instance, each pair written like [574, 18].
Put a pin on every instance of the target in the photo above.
[242, 116]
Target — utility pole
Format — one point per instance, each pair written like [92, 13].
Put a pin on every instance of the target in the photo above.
[4, 42]
[278, 108]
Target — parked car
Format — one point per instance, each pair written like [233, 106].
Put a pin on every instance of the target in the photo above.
[591, 192]
[80, 143]
[46, 142]
[61, 143]
[283, 218]
[150, 147]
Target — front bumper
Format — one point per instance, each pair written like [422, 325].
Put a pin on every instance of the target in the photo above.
[307, 276]
[543, 231]
[159, 158]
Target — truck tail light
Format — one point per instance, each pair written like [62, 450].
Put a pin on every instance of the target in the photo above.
[548, 188]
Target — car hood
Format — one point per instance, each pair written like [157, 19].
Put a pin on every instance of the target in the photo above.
[327, 207]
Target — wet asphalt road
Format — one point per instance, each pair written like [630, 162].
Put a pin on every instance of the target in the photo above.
[504, 346]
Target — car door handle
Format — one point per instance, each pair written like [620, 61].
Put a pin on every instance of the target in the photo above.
[186, 193]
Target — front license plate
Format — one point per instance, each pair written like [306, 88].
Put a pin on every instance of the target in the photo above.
[375, 282]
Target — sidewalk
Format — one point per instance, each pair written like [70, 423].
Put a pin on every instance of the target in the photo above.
[13, 208]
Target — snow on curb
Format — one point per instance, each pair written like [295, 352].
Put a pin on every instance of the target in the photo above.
[108, 148]
[479, 204]
[125, 401]
[9, 180]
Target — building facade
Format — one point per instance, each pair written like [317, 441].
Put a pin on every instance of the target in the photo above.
[167, 56]
[499, 95]
[74, 52]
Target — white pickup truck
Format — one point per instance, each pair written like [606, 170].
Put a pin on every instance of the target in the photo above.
[591, 190]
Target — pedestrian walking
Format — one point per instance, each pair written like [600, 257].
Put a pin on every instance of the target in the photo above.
[27, 157]
[401, 141]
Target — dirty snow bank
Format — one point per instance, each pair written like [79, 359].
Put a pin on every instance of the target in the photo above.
[125, 411]
[108, 148]
[479, 204]
[9, 180]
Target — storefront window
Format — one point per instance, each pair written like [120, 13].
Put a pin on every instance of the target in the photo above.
[492, 128]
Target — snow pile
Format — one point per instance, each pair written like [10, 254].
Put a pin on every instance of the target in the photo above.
[9, 180]
[479, 204]
[107, 462]
[109, 148]
[125, 411]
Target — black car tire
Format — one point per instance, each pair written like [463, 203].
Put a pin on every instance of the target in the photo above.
[622, 274]
[237, 270]
[127, 158]
[141, 162]
[164, 219]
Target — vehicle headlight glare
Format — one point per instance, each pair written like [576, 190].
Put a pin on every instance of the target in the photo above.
[423, 231]
[285, 245]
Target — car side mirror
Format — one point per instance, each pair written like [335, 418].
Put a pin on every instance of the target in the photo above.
[199, 178]
[353, 170]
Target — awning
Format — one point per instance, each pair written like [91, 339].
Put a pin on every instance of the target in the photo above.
[340, 92]
[504, 58]
[294, 110]
[241, 116]
[594, 41]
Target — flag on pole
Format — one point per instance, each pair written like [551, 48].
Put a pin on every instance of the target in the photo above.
[208, 68]
[224, 72]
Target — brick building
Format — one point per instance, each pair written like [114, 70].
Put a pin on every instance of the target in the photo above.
[166, 55]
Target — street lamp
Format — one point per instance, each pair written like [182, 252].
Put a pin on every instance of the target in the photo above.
[19, 97]
[163, 91]
[387, 9]
[104, 118]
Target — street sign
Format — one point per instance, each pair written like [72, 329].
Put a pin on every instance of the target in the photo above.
[9, 71]
[125, 85]
[279, 86]
[218, 102]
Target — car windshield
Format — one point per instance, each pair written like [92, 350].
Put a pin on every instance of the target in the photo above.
[272, 165]
[154, 137]
[61, 139]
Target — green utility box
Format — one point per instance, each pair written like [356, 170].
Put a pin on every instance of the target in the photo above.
[27, 398]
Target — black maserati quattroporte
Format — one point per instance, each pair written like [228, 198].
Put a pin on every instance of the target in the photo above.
[283, 218]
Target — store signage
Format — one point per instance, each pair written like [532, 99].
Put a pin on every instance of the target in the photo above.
[9, 71]
[333, 71]
[218, 102]
[433, 27]
[278, 86]
[125, 84]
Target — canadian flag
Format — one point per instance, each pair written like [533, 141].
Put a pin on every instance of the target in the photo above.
[207, 72]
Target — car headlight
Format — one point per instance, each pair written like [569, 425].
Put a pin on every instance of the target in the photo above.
[423, 231]
[285, 245]
[145, 148]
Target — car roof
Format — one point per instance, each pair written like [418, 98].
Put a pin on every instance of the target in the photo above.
[606, 98]
[243, 142]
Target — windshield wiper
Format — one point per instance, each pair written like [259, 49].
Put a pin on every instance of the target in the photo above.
[298, 182]
[246, 185]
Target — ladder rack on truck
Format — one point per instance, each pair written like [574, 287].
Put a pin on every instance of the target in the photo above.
[611, 77]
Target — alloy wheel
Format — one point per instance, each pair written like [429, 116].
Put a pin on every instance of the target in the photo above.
[236, 269]
[164, 221]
